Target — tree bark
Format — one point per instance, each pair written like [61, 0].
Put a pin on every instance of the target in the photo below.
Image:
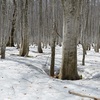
[69, 54]
[24, 50]
[40, 27]
[3, 32]
[11, 37]
[53, 41]
[84, 53]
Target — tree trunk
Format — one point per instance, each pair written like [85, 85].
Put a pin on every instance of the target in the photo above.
[53, 41]
[24, 50]
[96, 47]
[3, 32]
[11, 38]
[40, 27]
[69, 54]
[39, 47]
[84, 53]
[52, 58]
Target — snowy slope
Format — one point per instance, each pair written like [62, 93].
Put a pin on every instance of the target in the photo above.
[24, 78]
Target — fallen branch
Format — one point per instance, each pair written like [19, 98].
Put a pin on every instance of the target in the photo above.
[83, 95]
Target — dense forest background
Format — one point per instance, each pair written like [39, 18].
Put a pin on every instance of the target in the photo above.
[54, 22]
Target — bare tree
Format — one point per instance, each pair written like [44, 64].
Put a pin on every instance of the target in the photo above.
[24, 50]
[3, 29]
[11, 37]
[40, 27]
[53, 40]
[69, 56]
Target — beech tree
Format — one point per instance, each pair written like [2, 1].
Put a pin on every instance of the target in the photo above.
[24, 50]
[53, 40]
[11, 37]
[69, 54]
[3, 28]
[85, 18]
[40, 27]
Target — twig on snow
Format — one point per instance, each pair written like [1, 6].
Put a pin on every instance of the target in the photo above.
[27, 80]
[83, 95]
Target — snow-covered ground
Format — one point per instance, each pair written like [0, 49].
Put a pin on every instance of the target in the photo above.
[24, 78]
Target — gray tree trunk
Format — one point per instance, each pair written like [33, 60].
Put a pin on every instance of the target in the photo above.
[40, 27]
[53, 40]
[11, 38]
[84, 53]
[24, 50]
[69, 54]
[3, 31]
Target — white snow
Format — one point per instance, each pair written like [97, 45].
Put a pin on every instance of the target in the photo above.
[24, 78]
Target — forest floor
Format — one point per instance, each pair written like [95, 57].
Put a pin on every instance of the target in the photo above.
[26, 78]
